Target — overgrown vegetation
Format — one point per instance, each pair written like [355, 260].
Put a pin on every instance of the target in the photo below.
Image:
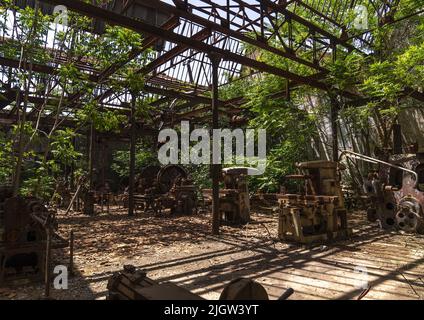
[385, 77]
[143, 158]
[34, 157]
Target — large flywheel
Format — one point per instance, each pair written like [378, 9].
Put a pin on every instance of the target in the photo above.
[168, 175]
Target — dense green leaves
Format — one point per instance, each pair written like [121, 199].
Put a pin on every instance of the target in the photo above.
[409, 66]
[6, 158]
[121, 160]
[103, 120]
[290, 131]
[383, 78]
[63, 147]
[48, 152]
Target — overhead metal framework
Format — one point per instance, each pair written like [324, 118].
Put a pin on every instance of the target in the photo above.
[303, 34]
[189, 48]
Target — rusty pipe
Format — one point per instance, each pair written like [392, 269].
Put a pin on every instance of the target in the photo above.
[365, 158]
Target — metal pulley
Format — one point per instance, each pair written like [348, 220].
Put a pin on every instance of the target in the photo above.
[244, 289]
[408, 217]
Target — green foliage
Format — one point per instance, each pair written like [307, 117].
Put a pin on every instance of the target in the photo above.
[289, 130]
[134, 81]
[200, 174]
[46, 153]
[235, 89]
[114, 46]
[409, 66]
[33, 27]
[7, 159]
[41, 171]
[385, 77]
[38, 179]
[69, 74]
[62, 147]
[143, 158]
[344, 73]
[117, 42]
[394, 65]
[39, 183]
[382, 82]
[103, 120]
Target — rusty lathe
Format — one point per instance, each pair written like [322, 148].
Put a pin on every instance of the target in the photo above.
[318, 214]
[234, 200]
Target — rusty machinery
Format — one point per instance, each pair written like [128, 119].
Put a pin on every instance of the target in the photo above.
[27, 236]
[87, 199]
[395, 191]
[144, 186]
[169, 187]
[319, 213]
[83, 198]
[234, 202]
[133, 284]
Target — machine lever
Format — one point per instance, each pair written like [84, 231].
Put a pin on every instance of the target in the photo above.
[289, 292]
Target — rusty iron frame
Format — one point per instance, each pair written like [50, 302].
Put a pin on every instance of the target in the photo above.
[194, 30]
[205, 45]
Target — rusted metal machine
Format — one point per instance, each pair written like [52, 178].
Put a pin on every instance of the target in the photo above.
[234, 202]
[395, 191]
[183, 197]
[147, 179]
[169, 187]
[133, 284]
[27, 234]
[319, 213]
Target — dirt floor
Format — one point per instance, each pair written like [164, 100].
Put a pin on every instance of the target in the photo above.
[182, 250]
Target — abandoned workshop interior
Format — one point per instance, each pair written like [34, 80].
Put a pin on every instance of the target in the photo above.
[212, 150]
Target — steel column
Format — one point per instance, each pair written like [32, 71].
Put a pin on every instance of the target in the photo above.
[334, 113]
[215, 168]
[132, 158]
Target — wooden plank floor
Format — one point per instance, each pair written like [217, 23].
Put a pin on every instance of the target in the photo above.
[390, 264]
[181, 250]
